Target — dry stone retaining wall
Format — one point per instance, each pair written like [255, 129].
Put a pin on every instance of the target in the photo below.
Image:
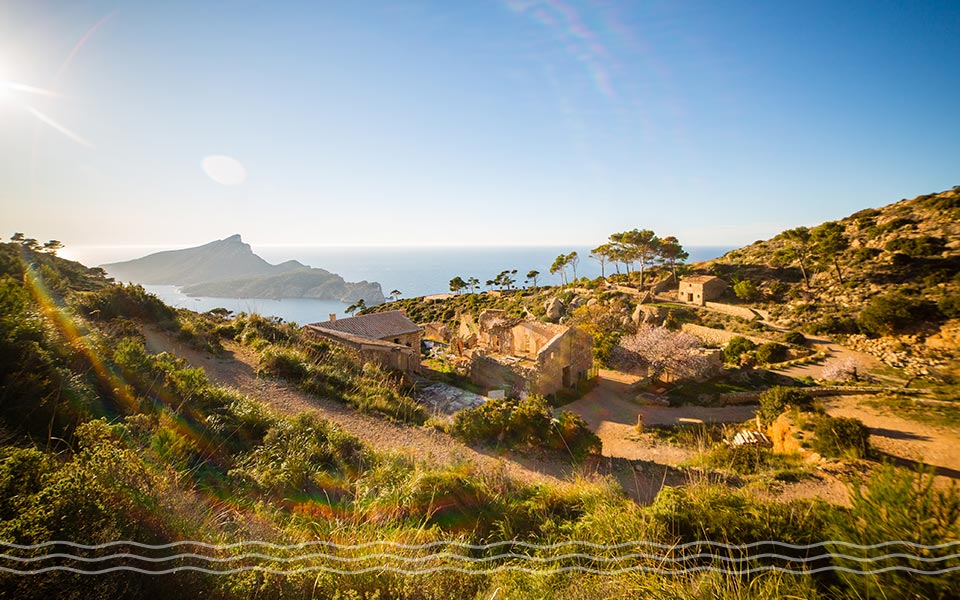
[718, 337]
[734, 311]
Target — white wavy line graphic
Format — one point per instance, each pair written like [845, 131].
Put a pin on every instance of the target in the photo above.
[467, 546]
[516, 568]
[482, 559]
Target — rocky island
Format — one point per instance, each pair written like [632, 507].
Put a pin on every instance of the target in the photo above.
[229, 268]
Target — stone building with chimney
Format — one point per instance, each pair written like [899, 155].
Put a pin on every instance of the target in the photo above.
[389, 339]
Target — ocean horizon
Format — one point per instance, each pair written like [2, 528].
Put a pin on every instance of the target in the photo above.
[414, 271]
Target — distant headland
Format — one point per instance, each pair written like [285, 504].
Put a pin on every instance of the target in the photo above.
[229, 268]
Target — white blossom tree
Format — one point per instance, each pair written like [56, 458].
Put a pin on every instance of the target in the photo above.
[662, 351]
[846, 369]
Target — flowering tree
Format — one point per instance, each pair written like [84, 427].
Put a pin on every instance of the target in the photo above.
[662, 351]
[847, 369]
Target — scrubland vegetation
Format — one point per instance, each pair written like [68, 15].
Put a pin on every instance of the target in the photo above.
[103, 442]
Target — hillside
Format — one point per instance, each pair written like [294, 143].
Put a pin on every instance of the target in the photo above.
[114, 431]
[229, 268]
[889, 278]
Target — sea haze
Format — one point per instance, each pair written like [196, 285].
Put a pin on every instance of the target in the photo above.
[415, 271]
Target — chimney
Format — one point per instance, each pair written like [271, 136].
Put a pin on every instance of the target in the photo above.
[333, 317]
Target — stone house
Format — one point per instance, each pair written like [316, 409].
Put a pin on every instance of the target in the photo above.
[389, 339]
[526, 355]
[700, 289]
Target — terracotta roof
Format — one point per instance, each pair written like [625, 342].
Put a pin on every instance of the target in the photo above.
[355, 340]
[375, 326]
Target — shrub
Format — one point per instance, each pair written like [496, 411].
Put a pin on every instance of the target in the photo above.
[771, 352]
[746, 290]
[834, 324]
[574, 436]
[897, 504]
[894, 313]
[525, 423]
[950, 306]
[737, 347]
[919, 246]
[131, 301]
[745, 459]
[840, 437]
[285, 363]
[776, 400]
[796, 338]
[304, 456]
[508, 421]
[717, 513]
[865, 254]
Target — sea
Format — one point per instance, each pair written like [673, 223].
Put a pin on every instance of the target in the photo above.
[413, 271]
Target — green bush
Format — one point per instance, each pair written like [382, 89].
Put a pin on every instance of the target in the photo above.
[774, 402]
[715, 512]
[771, 352]
[866, 254]
[950, 306]
[840, 437]
[834, 324]
[573, 436]
[745, 459]
[285, 363]
[918, 246]
[746, 290]
[737, 347]
[897, 504]
[131, 301]
[525, 424]
[796, 338]
[894, 313]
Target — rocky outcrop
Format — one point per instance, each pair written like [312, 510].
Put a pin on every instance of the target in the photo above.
[554, 308]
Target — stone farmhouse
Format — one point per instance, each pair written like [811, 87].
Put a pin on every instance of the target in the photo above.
[524, 355]
[700, 289]
[389, 339]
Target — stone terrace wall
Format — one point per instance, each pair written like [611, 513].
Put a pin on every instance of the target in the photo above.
[816, 392]
[718, 337]
[734, 311]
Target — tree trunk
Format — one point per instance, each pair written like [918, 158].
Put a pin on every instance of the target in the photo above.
[836, 263]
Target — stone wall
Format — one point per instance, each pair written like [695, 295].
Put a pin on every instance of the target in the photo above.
[718, 337]
[816, 392]
[488, 374]
[662, 286]
[386, 354]
[437, 332]
[565, 362]
[735, 311]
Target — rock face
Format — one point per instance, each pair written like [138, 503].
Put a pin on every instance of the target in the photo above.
[554, 309]
[228, 268]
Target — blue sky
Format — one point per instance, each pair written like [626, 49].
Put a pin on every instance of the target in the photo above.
[515, 122]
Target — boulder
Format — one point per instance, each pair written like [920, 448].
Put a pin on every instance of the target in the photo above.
[554, 309]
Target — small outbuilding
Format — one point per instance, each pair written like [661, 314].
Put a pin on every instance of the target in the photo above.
[388, 338]
[700, 289]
